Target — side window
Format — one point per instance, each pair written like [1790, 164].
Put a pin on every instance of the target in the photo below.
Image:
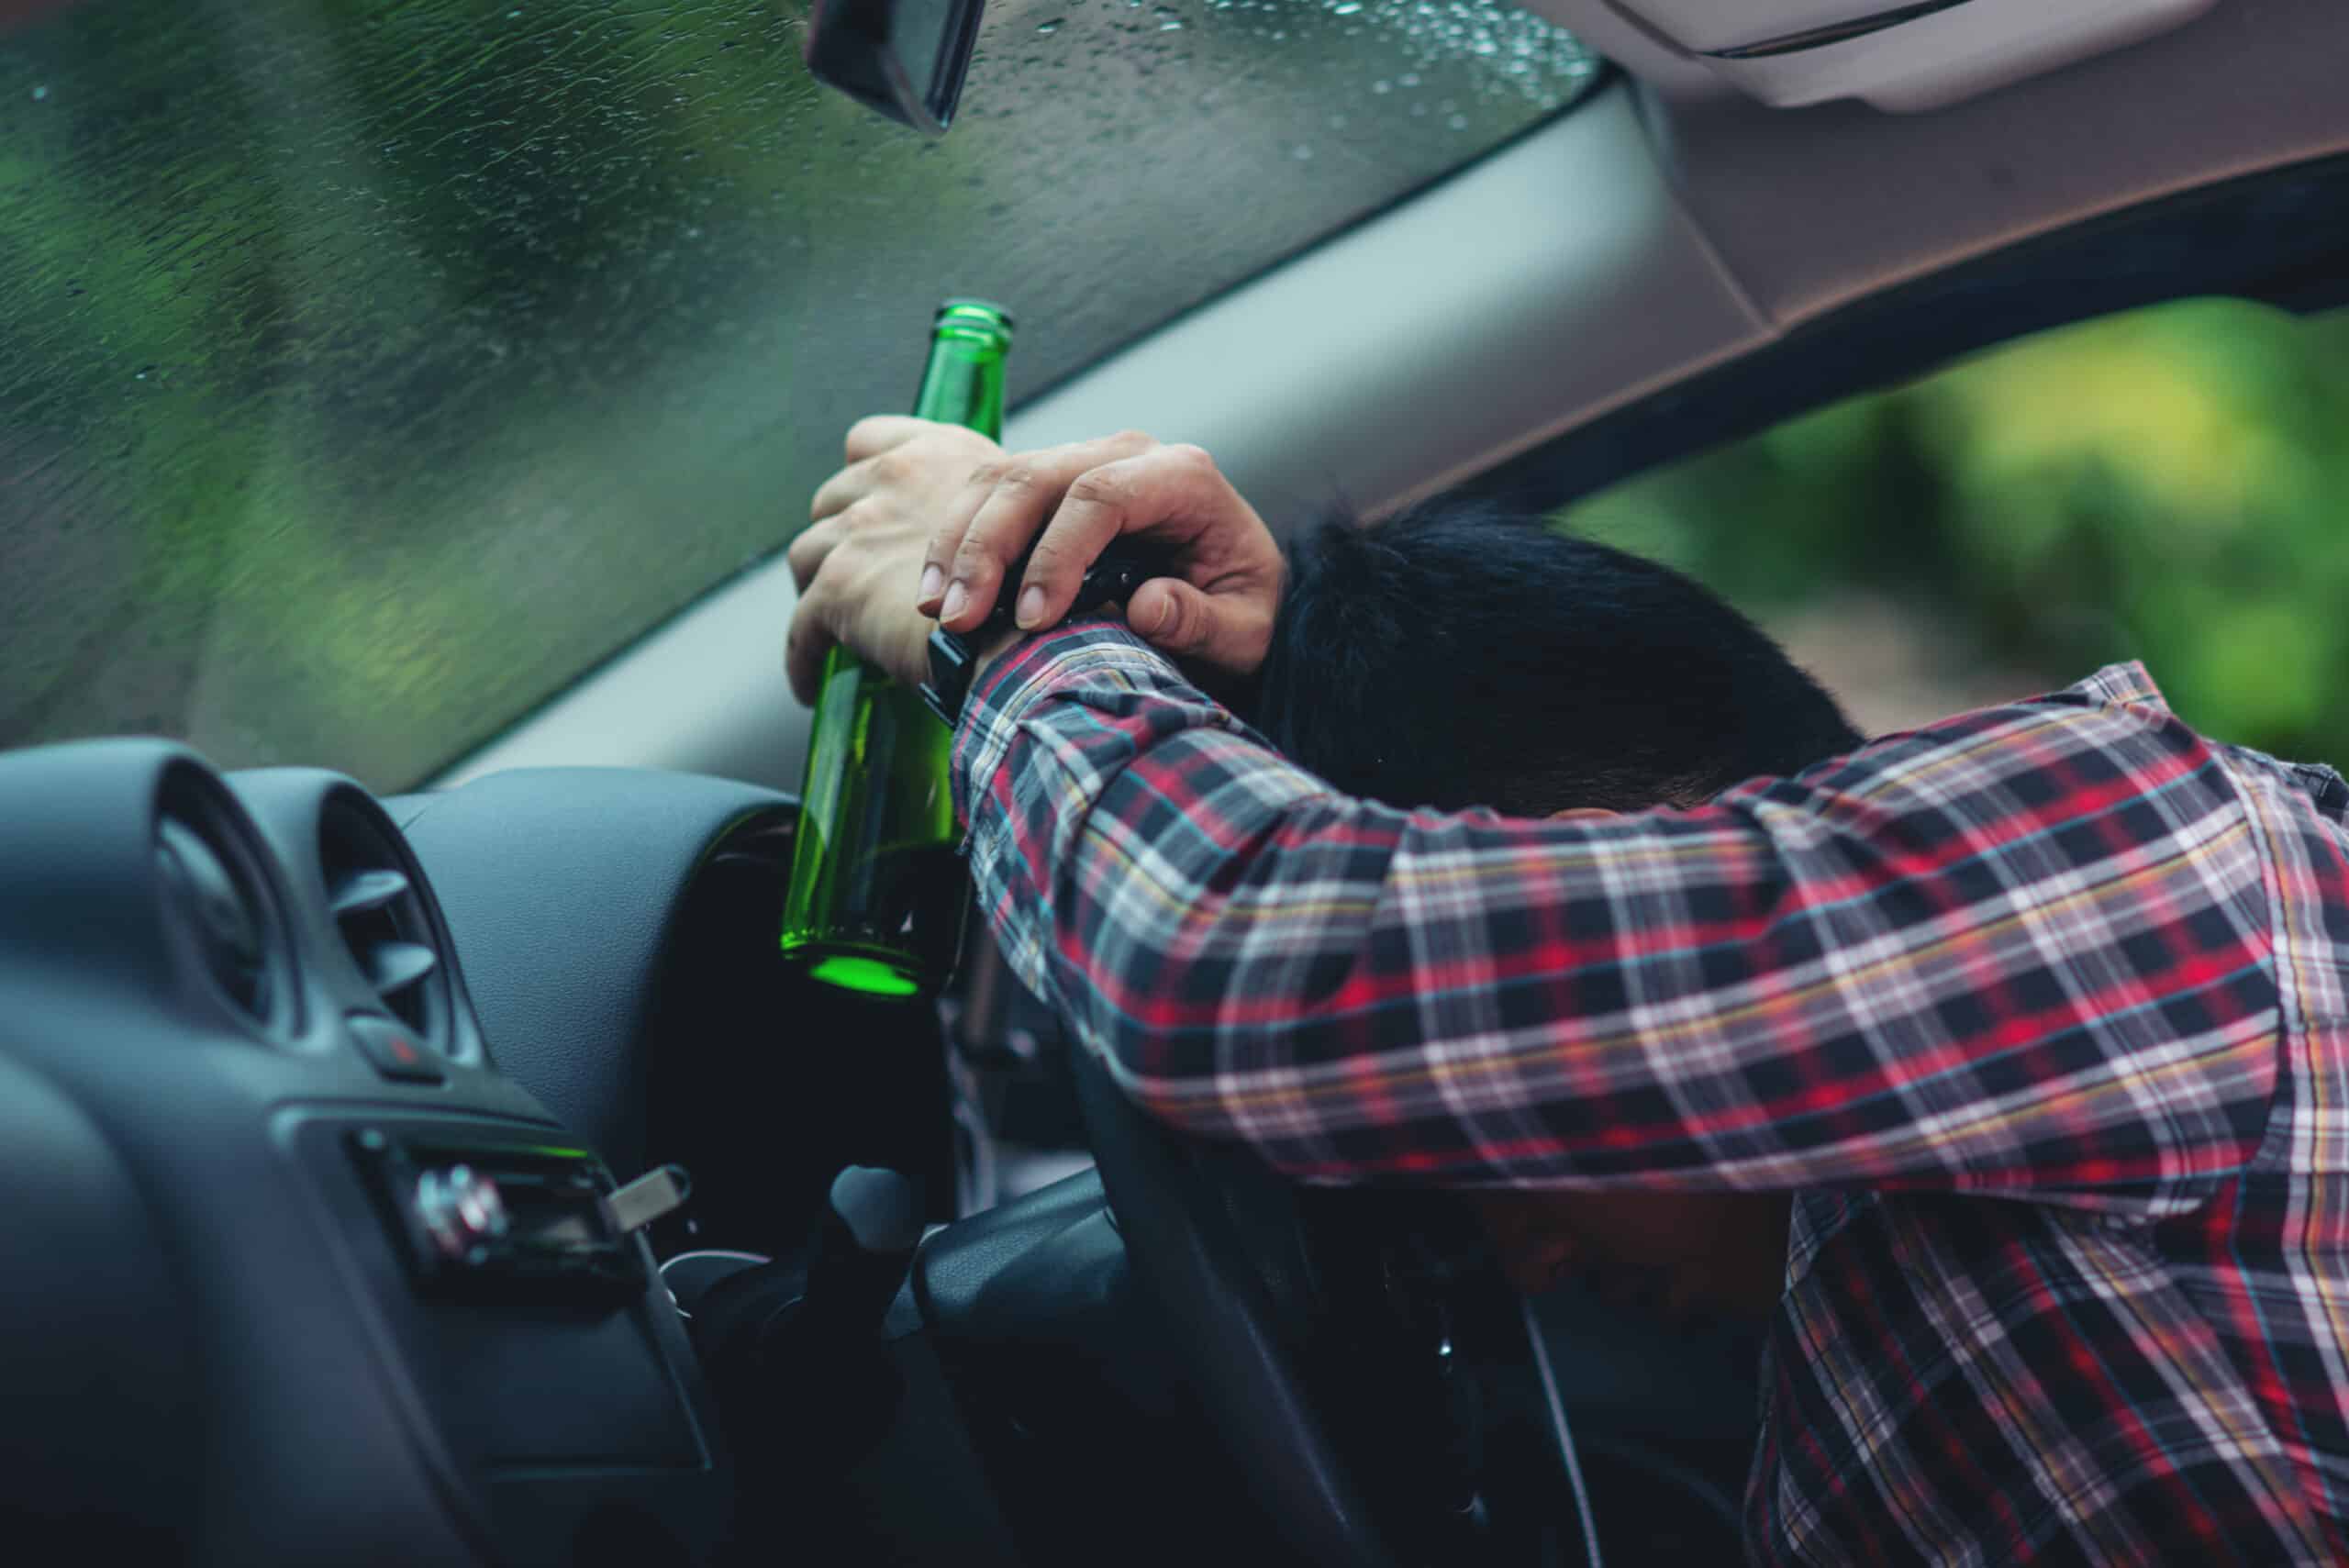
[2171, 485]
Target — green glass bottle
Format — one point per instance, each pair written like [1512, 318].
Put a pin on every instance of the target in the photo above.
[877, 897]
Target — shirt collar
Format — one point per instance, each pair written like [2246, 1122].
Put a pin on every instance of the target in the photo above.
[2124, 682]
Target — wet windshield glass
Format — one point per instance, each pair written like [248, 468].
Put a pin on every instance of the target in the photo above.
[374, 369]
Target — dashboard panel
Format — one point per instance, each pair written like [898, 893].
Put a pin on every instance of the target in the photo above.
[571, 890]
[239, 1060]
[268, 1043]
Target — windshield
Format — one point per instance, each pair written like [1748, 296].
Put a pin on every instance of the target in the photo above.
[377, 368]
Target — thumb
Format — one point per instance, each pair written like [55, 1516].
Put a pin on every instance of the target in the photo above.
[1177, 618]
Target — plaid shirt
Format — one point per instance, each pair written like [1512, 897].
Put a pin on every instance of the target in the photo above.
[2042, 1012]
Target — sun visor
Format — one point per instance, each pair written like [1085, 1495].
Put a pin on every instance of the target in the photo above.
[1920, 55]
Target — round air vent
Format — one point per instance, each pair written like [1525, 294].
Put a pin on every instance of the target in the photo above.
[371, 886]
[217, 899]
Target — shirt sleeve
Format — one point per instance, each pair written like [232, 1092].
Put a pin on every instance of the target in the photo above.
[2025, 950]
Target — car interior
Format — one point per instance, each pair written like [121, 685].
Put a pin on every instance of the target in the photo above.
[421, 1152]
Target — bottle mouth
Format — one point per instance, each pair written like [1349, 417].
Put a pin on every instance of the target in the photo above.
[975, 318]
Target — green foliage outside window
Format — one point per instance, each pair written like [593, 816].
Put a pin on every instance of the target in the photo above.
[2170, 485]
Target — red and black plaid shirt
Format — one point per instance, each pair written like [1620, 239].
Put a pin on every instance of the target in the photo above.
[2042, 1012]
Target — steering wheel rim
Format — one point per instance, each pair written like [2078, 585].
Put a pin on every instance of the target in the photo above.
[1184, 1247]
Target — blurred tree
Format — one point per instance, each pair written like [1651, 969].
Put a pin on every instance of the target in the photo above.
[2170, 484]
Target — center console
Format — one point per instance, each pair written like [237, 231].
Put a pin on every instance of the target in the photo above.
[544, 1372]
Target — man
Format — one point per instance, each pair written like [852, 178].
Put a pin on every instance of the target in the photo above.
[1421, 663]
[2041, 1014]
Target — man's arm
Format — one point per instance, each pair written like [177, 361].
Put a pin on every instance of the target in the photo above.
[2025, 950]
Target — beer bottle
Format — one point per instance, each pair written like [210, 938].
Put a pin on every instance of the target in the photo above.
[877, 899]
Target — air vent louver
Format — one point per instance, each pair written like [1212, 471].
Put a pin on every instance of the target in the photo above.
[371, 888]
[216, 898]
[228, 932]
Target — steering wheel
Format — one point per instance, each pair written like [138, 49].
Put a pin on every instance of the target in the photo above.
[1249, 1272]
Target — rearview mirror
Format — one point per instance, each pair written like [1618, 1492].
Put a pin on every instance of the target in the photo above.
[905, 58]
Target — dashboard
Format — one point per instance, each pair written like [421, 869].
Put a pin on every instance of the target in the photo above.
[296, 1266]
[311, 1106]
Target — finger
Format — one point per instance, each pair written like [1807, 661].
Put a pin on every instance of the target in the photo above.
[808, 552]
[804, 649]
[1164, 611]
[1165, 485]
[953, 522]
[876, 433]
[1024, 495]
[845, 489]
[1155, 610]
[1223, 632]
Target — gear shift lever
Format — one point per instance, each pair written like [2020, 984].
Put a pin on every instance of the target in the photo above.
[796, 1356]
[864, 1243]
[856, 1260]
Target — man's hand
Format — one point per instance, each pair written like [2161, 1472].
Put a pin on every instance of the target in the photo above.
[857, 564]
[927, 518]
[1677, 1252]
[1215, 614]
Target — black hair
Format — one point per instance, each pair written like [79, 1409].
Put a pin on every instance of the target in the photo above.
[1459, 655]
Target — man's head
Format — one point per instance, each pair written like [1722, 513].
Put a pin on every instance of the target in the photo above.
[1457, 655]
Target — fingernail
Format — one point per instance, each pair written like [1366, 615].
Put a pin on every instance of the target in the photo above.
[1164, 621]
[933, 579]
[956, 597]
[1031, 607]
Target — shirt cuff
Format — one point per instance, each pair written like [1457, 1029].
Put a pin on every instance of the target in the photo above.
[1046, 662]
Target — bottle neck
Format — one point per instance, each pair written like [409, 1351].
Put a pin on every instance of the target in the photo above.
[963, 383]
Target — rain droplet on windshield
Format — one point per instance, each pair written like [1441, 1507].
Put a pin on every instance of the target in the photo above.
[643, 217]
